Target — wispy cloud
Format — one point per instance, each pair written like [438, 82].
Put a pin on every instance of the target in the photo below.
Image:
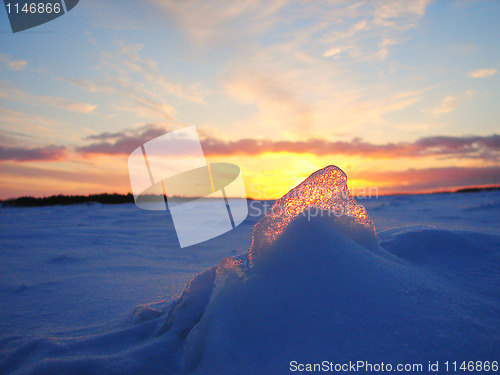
[136, 84]
[102, 179]
[12, 64]
[20, 154]
[66, 104]
[316, 100]
[127, 96]
[483, 73]
[38, 127]
[383, 20]
[120, 68]
[333, 52]
[13, 93]
[129, 60]
[121, 143]
[340, 26]
[274, 96]
[214, 22]
[399, 14]
[299, 80]
[447, 105]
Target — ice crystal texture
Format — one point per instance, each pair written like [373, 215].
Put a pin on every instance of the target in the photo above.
[325, 192]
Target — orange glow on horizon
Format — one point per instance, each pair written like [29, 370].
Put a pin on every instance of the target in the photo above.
[267, 176]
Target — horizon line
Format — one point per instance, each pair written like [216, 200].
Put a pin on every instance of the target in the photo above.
[464, 189]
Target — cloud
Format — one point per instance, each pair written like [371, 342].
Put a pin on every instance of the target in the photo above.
[13, 93]
[122, 143]
[473, 147]
[359, 24]
[214, 22]
[407, 13]
[20, 154]
[487, 147]
[104, 180]
[137, 84]
[337, 25]
[129, 57]
[429, 179]
[38, 126]
[332, 52]
[314, 100]
[339, 35]
[14, 137]
[273, 95]
[134, 99]
[125, 62]
[447, 105]
[482, 73]
[89, 85]
[67, 104]
[298, 80]
[15, 65]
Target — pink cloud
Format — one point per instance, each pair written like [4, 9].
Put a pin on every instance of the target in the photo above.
[22, 154]
[431, 179]
[474, 147]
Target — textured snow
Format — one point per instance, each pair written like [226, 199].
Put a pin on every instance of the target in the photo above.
[101, 289]
[344, 302]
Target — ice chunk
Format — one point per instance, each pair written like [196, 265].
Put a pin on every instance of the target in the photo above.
[325, 192]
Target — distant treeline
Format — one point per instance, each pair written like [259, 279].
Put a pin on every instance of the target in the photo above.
[104, 198]
[475, 190]
[68, 199]
[129, 198]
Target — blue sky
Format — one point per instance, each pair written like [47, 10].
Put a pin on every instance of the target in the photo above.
[391, 86]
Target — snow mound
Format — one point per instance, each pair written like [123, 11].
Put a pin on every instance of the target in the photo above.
[315, 289]
[317, 295]
[187, 312]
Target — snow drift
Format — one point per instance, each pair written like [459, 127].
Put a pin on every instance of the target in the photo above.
[322, 288]
[317, 284]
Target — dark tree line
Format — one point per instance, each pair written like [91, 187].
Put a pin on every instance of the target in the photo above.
[68, 199]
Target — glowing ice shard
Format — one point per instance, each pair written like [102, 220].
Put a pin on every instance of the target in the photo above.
[326, 191]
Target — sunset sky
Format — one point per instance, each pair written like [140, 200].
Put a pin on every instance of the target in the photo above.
[402, 95]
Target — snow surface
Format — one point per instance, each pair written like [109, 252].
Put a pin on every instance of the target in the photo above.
[95, 289]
